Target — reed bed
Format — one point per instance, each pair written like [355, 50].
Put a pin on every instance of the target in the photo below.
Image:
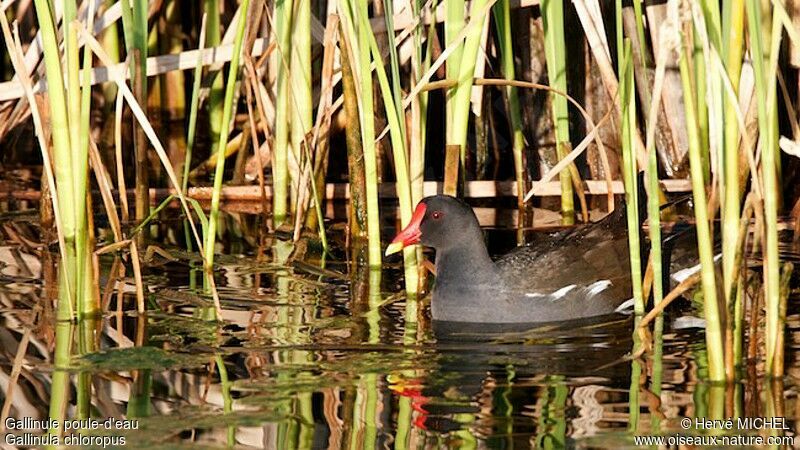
[305, 84]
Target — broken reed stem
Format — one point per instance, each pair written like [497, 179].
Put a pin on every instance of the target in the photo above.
[355, 163]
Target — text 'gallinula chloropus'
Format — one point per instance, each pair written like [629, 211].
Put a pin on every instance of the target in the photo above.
[580, 273]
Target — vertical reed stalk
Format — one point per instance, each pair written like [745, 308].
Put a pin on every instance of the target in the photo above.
[280, 156]
[404, 427]
[627, 97]
[154, 91]
[110, 39]
[71, 164]
[702, 91]
[64, 312]
[658, 367]
[730, 209]
[734, 24]
[419, 113]
[355, 163]
[553, 24]
[392, 101]
[368, 136]
[653, 191]
[466, 70]
[300, 104]
[88, 303]
[62, 152]
[502, 16]
[216, 95]
[191, 129]
[767, 124]
[141, 184]
[419, 109]
[136, 45]
[230, 87]
[453, 25]
[654, 210]
[637, 11]
[714, 345]
[357, 44]
[635, 389]
[707, 34]
[173, 98]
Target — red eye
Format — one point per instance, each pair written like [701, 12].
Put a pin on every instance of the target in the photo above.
[437, 215]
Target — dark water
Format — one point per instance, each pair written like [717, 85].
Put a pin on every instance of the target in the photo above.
[323, 358]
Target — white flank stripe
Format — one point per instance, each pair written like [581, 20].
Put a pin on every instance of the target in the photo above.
[597, 287]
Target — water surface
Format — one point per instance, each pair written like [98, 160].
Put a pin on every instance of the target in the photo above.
[318, 355]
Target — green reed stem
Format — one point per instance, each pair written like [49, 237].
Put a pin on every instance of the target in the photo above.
[301, 97]
[419, 110]
[639, 16]
[402, 433]
[767, 125]
[134, 22]
[191, 130]
[555, 48]
[733, 64]
[455, 22]
[703, 117]
[707, 87]
[657, 368]
[635, 389]
[368, 140]
[502, 17]
[371, 387]
[61, 189]
[551, 425]
[230, 88]
[731, 210]
[714, 344]
[654, 219]
[280, 158]
[135, 36]
[464, 81]
[140, 35]
[87, 304]
[59, 126]
[224, 380]
[397, 93]
[392, 101]
[357, 38]
[216, 96]
[60, 384]
[627, 97]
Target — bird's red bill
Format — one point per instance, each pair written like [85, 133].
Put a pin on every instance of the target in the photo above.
[410, 234]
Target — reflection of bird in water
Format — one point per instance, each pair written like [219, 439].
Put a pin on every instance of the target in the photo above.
[489, 382]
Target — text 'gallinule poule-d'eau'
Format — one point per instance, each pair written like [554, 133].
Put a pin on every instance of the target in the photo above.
[580, 273]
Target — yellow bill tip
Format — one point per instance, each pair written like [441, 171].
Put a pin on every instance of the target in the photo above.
[394, 247]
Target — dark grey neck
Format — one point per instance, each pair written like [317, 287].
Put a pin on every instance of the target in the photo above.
[466, 265]
[465, 279]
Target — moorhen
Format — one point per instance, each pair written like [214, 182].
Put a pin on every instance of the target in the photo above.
[579, 273]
